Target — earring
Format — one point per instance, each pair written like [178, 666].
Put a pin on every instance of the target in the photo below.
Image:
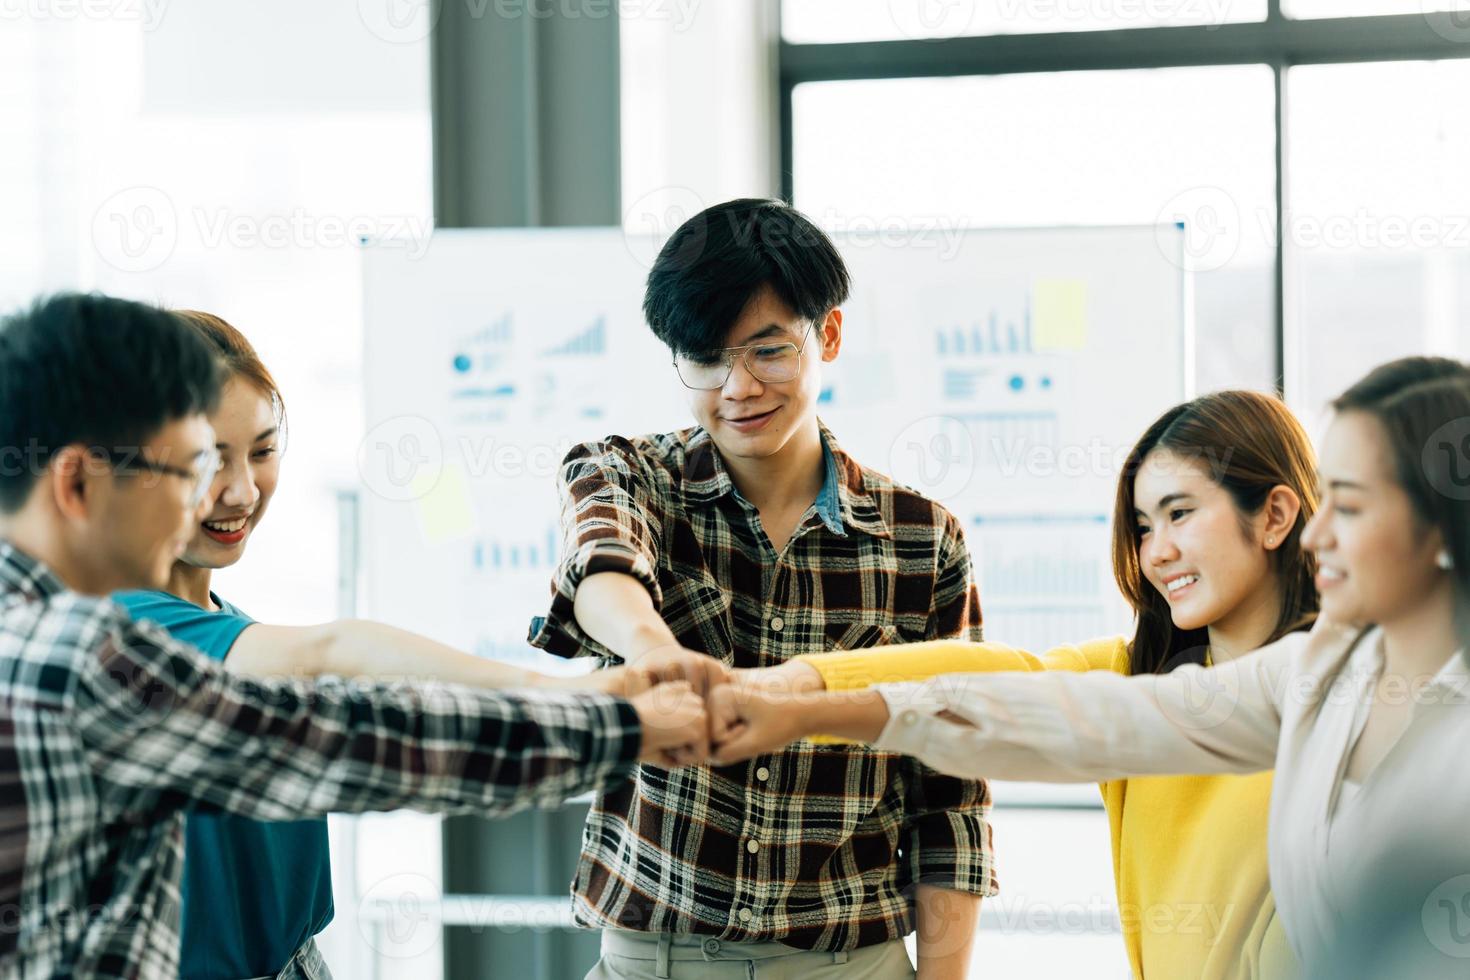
[1270, 540]
[1444, 561]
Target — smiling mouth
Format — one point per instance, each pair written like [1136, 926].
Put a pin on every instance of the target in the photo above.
[752, 423]
[1182, 582]
[226, 532]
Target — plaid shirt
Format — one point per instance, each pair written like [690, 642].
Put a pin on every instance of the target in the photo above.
[818, 846]
[109, 729]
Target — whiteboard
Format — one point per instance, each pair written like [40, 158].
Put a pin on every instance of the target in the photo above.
[1004, 372]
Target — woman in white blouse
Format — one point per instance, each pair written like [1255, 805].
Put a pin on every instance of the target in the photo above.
[1366, 719]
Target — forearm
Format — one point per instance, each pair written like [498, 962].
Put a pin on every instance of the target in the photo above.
[357, 648]
[859, 716]
[616, 610]
[1067, 727]
[447, 749]
[946, 921]
[279, 750]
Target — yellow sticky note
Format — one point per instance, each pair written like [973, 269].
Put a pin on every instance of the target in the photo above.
[1059, 314]
[444, 507]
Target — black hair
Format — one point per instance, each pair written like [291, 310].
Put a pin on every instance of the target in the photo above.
[719, 260]
[1387, 380]
[78, 369]
[1423, 406]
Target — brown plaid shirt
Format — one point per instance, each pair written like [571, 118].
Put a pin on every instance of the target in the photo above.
[818, 846]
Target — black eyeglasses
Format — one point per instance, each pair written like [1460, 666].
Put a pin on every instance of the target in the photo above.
[198, 480]
[771, 363]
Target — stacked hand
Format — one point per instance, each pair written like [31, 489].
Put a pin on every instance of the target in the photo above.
[695, 710]
[675, 725]
[759, 711]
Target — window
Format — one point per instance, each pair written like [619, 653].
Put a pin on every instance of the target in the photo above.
[1379, 249]
[826, 21]
[1360, 8]
[1070, 148]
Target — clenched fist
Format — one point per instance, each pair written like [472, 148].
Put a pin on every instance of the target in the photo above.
[748, 718]
[675, 725]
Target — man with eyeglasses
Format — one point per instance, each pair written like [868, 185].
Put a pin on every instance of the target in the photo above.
[111, 729]
[742, 542]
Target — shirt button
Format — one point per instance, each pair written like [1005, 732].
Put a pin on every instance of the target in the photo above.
[752, 846]
[711, 945]
[746, 915]
[777, 623]
[763, 774]
[909, 717]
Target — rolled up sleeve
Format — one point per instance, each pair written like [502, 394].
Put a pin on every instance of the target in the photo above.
[946, 840]
[609, 524]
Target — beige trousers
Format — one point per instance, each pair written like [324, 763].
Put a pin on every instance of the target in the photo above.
[655, 956]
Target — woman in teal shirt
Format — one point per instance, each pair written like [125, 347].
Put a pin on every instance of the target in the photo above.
[256, 894]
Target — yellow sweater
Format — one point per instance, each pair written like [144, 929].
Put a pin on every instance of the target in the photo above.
[1189, 852]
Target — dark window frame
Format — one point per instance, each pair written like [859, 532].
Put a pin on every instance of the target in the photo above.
[1279, 42]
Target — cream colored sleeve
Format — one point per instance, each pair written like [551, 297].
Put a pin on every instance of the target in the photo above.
[1059, 726]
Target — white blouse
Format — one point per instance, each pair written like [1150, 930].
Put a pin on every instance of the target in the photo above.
[1297, 706]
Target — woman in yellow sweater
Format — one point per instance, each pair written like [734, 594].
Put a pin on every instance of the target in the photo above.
[1207, 550]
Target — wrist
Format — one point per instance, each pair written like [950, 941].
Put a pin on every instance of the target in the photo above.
[646, 638]
[859, 716]
[801, 677]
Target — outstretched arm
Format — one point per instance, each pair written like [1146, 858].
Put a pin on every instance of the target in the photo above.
[362, 649]
[164, 727]
[846, 670]
[1052, 726]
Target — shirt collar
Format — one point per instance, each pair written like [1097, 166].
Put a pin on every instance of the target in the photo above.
[1455, 674]
[19, 572]
[843, 502]
[829, 503]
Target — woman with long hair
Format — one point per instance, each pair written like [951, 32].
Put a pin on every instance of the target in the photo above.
[1364, 717]
[256, 894]
[1207, 523]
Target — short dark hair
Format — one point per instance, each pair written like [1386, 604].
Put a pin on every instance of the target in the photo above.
[716, 262]
[96, 371]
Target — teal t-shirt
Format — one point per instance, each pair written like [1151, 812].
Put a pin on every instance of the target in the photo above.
[253, 891]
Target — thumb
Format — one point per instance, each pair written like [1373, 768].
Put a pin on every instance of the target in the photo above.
[725, 712]
[737, 745]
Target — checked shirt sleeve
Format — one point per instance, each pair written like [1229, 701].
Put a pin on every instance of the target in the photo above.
[946, 838]
[610, 523]
[946, 832]
[956, 613]
[164, 728]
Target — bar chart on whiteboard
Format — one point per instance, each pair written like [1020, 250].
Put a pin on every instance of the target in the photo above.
[1006, 380]
[1005, 384]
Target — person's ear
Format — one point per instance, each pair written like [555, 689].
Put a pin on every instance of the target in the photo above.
[68, 477]
[1281, 511]
[831, 335]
